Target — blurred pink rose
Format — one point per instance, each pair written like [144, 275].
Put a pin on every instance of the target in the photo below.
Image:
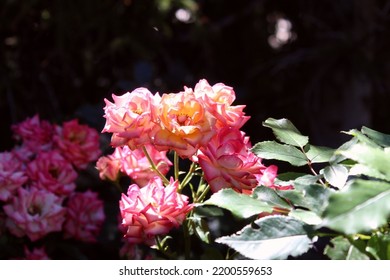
[34, 213]
[109, 166]
[227, 162]
[52, 172]
[35, 254]
[12, 176]
[129, 118]
[218, 99]
[152, 210]
[136, 165]
[85, 216]
[35, 134]
[78, 143]
[184, 123]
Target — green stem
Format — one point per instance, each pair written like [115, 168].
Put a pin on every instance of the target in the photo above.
[154, 167]
[176, 165]
[188, 177]
[200, 198]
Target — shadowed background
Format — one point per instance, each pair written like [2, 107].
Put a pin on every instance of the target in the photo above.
[322, 64]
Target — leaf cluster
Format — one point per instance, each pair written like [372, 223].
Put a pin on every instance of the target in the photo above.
[344, 196]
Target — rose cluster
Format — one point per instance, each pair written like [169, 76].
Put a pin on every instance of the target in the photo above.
[201, 125]
[38, 176]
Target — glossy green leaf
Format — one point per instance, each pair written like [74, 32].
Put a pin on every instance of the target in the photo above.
[271, 237]
[378, 137]
[270, 196]
[373, 157]
[241, 205]
[379, 246]
[286, 132]
[336, 175]
[341, 248]
[273, 150]
[318, 154]
[312, 197]
[362, 206]
[305, 216]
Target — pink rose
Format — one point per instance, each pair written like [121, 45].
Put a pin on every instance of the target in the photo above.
[78, 143]
[184, 123]
[34, 213]
[152, 210]
[227, 162]
[129, 118]
[52, 172]
[109, 167]
[218, 99]
[85, 216]
[35, 134]
[136, 165]
[12, 176]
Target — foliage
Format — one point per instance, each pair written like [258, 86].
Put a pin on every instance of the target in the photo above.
[347, 200]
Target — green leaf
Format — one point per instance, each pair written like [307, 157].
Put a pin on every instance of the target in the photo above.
[341, 248]
[241, 205]
[271, 237]
[312, 197]
[378, 137]
[373, 157]
[200, 227]
[361, 169]
[286, 132]
[307, 180]
[336, 175]
[361, 137]
[273, 150]
[362, 206]
[337, 156]
[270, 196]
[379, 246]
[307, 217]
[318, 154]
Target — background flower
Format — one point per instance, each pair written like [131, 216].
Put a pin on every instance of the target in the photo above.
[85, 216]
[78, 143]
[34, 213]
[12, 176]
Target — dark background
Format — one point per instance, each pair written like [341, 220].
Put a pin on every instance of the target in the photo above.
[60, 59]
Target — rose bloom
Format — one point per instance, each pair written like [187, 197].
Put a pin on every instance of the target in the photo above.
[78, 143]
[152, 210]
[51, 171]
[218, 99]
[35, 134]
[129, 118]
[34, 213]
[85, 216]
[12, 176]
[109, 167]
[184, 123]
[227, 162]
[136, 165]
[35, 254]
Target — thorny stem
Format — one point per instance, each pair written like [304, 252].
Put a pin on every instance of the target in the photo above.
[154, 167]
